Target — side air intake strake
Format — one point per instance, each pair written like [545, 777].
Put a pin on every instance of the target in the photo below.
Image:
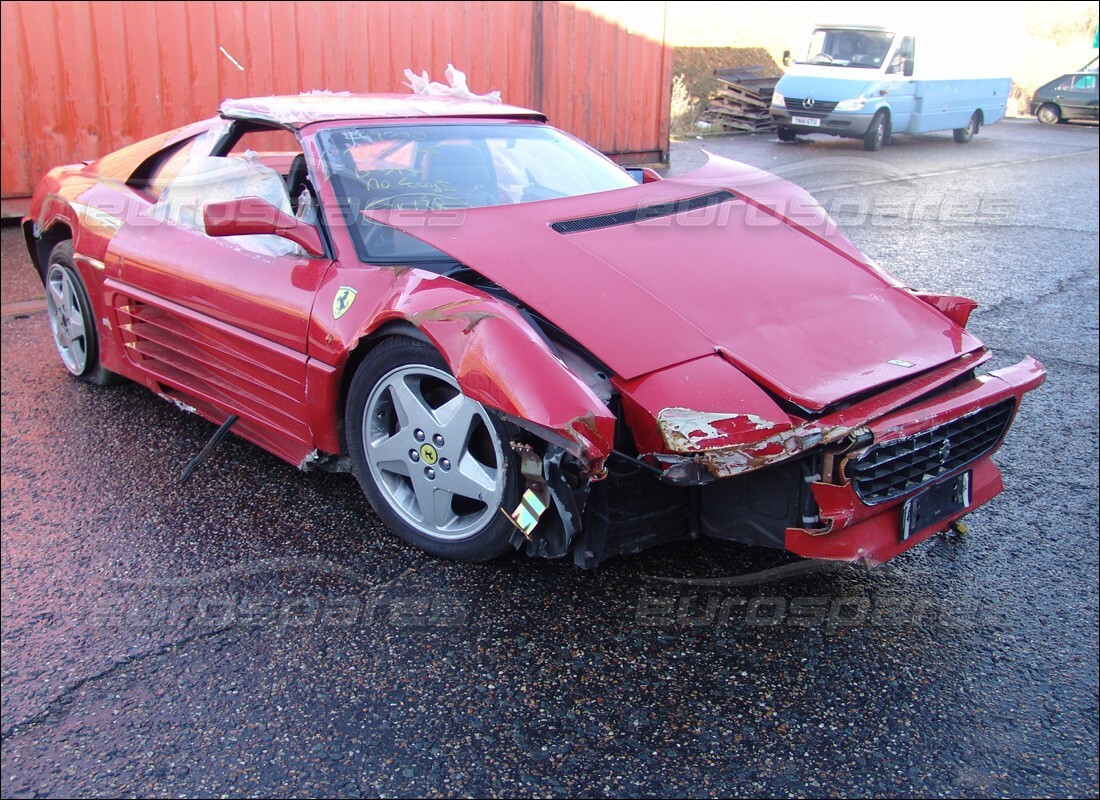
[643, 213]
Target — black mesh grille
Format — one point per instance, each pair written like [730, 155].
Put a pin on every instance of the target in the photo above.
[641, 214]
[819, 108]
[892, 469]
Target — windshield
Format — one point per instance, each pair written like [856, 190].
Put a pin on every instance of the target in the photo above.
[444, 166]
[834, 47]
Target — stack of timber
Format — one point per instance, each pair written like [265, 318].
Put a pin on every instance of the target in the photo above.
[742, 102]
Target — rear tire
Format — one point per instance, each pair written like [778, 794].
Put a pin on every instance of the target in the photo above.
[72, 320]
[964, 135]
[1049, 114]
[878, 134]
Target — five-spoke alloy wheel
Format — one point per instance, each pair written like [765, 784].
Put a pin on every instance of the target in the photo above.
[72, 320]
[435, 464]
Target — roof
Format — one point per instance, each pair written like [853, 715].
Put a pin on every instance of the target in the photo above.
[853, 27]
[301, 109]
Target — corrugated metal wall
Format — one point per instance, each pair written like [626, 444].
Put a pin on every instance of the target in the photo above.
[81, 79]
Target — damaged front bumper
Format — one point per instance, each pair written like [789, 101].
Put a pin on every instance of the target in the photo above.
[853, 528]
[804, 486]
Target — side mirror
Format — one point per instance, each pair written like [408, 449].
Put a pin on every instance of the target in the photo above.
[786, 58]
[643, 174]
[250, 215]
[908, 69]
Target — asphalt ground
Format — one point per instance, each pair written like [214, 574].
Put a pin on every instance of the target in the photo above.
[257, 632]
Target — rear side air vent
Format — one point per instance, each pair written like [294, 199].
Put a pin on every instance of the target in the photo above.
[643, 213]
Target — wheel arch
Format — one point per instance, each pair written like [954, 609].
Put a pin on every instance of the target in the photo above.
[498, 360]
[41, 242]
[361, 349]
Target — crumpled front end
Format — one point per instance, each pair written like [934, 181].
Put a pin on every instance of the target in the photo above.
[864, 482]
[870, 496]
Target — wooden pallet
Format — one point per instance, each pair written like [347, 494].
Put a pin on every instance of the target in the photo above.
[743, 101]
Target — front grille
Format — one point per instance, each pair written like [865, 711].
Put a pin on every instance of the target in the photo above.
[643, 213]
[896, 468]
[820, 108]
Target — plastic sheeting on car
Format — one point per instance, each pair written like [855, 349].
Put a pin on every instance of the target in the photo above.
[455, 87]
[207, 179]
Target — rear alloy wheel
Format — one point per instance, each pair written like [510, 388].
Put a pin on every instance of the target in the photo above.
[879, 133]
[434, 464]
[72, 321]
[964, 135]
[1049, 114]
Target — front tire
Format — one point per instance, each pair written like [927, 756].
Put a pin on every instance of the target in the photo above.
[434, 464]
[785, 134]
[878, 134]
[964, 135]
[1049, 114]
[72, 320]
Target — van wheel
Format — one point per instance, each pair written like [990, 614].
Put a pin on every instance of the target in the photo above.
[785, 134]
[964, 135]
[879, 133]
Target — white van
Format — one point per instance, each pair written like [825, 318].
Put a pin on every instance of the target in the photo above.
[869, 82]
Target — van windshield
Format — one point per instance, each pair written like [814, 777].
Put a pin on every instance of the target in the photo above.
[839, 47]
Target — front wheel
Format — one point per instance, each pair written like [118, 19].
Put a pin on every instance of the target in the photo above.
[434, 464]
[878, 134]
[964, 135]
[72, 321]
[785, 134]
[1049, 114]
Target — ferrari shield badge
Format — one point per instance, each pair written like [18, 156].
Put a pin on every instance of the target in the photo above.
[342, 302]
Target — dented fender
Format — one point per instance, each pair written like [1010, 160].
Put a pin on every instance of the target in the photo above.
[493, 352]
[955, 308]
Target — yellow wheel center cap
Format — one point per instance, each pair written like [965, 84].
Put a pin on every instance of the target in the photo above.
[427, 452]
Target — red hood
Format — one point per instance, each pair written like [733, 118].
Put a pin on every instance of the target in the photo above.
[760, 276]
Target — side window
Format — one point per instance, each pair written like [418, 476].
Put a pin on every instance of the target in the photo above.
[902, 58]
[154, 175]
[1077, 83]
[194, 177]
[163, 172]
[274, 147]
[277, 149]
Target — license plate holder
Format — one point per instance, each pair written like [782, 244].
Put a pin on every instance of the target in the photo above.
[938, 502]
[810, 122]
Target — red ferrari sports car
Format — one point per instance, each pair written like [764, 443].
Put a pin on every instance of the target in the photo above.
[512, 343]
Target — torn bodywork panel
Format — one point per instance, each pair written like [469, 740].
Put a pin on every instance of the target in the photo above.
[701, 444]
[955, 308]
[491, 349]
[727, 408]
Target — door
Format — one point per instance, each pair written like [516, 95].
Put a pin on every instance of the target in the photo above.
[1077, 96]
[219, 324]
[901, 87]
